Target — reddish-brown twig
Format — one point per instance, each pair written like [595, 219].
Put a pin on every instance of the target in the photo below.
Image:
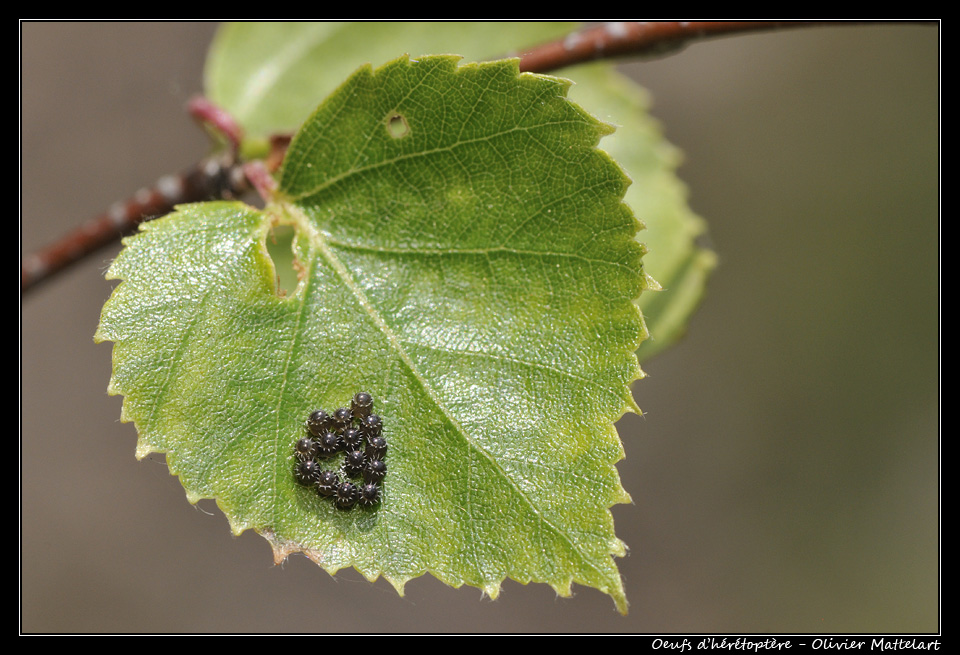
[636, 38]
[221, 178]
[208, 180]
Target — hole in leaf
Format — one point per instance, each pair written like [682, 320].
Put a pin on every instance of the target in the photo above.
[397, 126]
[280, 248]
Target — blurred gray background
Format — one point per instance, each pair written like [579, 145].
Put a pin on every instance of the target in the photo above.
[785, 476]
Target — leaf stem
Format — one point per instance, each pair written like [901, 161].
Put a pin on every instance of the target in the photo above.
[217, 119]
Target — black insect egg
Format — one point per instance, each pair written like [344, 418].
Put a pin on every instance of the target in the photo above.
[347, 495]
[371, 425]
[358, 433]
[328, 443]
[327, 483]
[376, 447]
[342, 417]
[308, 472]
[369, 494]
[307, 449]
[318, 422]
[361, 405]
[374, 470]
[355, 462]
[352, 438]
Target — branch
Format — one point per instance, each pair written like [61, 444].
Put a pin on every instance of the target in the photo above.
[221, 178]
[638, 39]
[208, 180]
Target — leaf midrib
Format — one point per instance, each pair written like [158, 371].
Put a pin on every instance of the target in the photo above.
[320, 243]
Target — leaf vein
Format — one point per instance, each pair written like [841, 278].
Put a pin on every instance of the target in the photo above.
[344, 274]
[336, 179]
[493, 250]
[515, 360]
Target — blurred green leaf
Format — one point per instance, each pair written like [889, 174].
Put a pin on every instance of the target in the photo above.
[656, 196]
[271, 75]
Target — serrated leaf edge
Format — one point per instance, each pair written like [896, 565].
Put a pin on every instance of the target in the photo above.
[283, 549]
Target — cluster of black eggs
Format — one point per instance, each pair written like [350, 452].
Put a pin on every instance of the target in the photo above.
[355, 431]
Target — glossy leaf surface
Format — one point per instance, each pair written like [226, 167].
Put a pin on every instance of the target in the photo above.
[271, 75]
[466, 257]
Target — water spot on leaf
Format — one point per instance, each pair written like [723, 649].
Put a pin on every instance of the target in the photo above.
[397, 126]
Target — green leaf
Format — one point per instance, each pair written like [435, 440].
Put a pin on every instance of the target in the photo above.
[466, 257]
[656, 196]
[271, 75]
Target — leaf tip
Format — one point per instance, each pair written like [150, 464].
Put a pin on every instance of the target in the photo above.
[621, 602]
[237, 526]
[281, 549]
[616, 591]
[144, 449]
[650, 284]
[491, 589]
[398, 583]
[564, 588]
